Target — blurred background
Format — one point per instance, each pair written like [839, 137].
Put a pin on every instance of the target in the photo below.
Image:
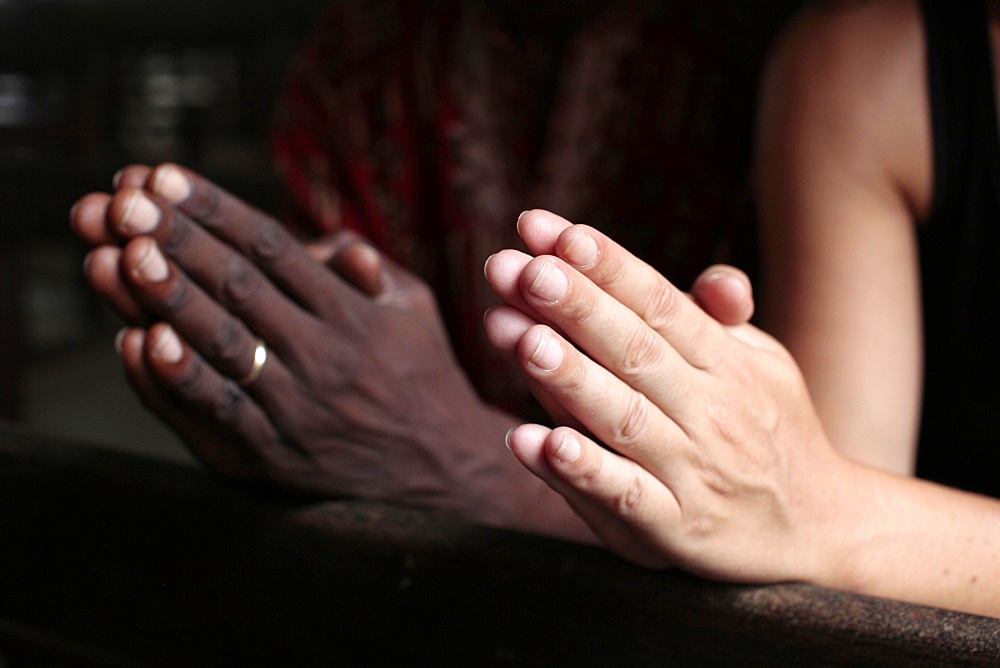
[87, 86]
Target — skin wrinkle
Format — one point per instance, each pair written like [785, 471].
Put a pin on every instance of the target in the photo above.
[579, 308]
[180, 233]
[228, 402]
[634, 423]
[207, 203]
[574, 381]
[270, 245]
[241, 285]
[191, 380]
[225, 347]
[630, 502]
[178, 297]
[660, 308]
[641, 352]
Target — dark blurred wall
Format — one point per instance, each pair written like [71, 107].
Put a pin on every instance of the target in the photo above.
[87, 86]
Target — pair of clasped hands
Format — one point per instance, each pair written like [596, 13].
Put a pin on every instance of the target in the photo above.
[684, 439]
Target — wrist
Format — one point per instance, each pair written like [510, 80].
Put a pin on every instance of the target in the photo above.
[493, 488]
[836, 524]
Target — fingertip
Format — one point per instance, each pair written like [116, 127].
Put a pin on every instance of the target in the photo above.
[88, 216]
[145, 261]
[563, 447]
[503, 267]
[102, 273]
[544, 280]
[170, 182]
[164, 345]
[726, 272]
[521, 220]
[541, 350]
[119, 338]
[580, 462]
[136, 214]
[726, 294]
[486, 266]
[130, 176]
[527, 442]
[539, 229]
[363, 266]
[505, 326]
[574, 459]
[577, 246]
[100, 268]
[130, 342]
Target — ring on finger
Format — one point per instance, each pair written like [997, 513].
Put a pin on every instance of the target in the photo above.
[259, 360]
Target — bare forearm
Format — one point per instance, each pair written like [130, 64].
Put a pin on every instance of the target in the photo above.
[913, 540]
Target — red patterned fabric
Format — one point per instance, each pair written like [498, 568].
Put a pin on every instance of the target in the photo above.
[429, 126]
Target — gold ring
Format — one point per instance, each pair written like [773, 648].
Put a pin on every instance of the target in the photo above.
[259, 360]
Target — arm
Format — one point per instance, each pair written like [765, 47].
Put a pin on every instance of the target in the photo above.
[842, 174]
[716, 461]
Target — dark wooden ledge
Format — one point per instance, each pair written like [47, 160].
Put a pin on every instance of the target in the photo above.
[107, 558]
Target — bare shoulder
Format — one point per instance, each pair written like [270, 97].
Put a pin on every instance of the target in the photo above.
[849, 34]
[847, 77]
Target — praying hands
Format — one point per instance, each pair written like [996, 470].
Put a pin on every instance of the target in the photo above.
[695, 445]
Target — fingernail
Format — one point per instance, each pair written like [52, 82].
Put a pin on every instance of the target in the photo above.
[548, 354]
[517, 226]
[72, 211]
[568, 451]
[141, 215]
[153, 266]
[487, 264]
[581, 251]
[86, 261]
[550, 285]
[117, 178]
[506, 438]
[168, 347]
[715, 276]
[119, 338]
[171, 184]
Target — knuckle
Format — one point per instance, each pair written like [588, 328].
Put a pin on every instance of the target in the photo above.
[591, 473]
[228, 403]
[580, 310]
[633, 422]
[629, 501]
[572, 380]
[661, 306]
[609, 272]
[242, 283]
[271, 243]
[178, 233]
[642, 350]
[178, 296]
[190, 384]
[206, 203]
[224, 346]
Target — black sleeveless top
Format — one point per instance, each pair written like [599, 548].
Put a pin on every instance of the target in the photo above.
[960, 255]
